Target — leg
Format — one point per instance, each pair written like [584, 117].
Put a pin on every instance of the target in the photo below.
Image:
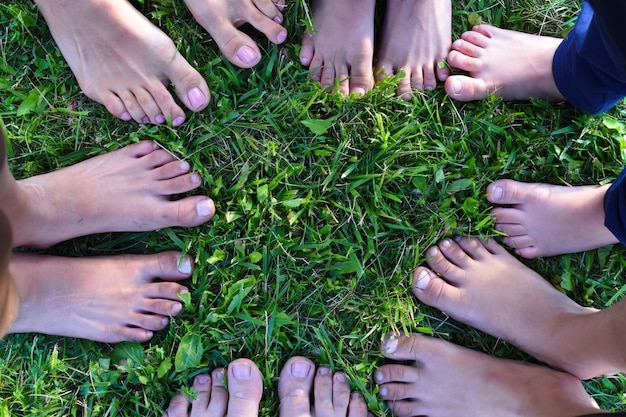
[242, 398]
[331, 393]
[443, 379]
[415, 39]
[538, 219]
[511, 65]
[8, 296]
[123, 61]
[221, 18]
[470, 280]
[106, 299]
[342, 48]
[124, 190]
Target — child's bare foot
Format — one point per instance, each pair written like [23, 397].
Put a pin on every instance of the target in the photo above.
[125, 190]
[482, 285]
[331, 393]
[547, 220]
[106, 299]
[448, 380]
[341, 50]
[8, 295]
[123, 61]
[512, 65]
[221, 18]
[241, 399]
[416, 37]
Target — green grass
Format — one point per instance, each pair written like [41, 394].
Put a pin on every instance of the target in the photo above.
[325, 204]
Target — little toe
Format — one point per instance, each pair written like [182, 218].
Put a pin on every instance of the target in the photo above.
[178, 407]
[294, 387]
[464, 88]
[245, 388]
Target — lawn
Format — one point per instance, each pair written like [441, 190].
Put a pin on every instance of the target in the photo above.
[324, 206]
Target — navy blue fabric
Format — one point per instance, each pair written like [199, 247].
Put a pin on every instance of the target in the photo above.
[589, 66]
[615, 208]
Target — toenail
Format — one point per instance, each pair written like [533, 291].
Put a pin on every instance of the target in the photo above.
[278, 19]
[178, 121]
[247, 54]
[457, 238]
[126, 116]
[164, 321]
[203, 208]
[359, 91]
[429, 88]
[176, 308]
[184, 265]
[242, 371]
[432, 252]
[456, 85]
[195, 178]
[324, 370]
[203, 379]
[184, 166]
[145, 119]
[384, 392]
[300, 369]
[497, 193]
[406, 96]
[159, 119]
[423, 279]
[391, 345]
[355, 396]
[340, 377]
[445, 243]
[196, 98]
[282, 35]
[379, 376]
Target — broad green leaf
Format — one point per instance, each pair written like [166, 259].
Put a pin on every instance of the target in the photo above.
[189, 352]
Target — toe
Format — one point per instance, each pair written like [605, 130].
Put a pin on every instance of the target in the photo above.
[219, 396]
[269, 27]
[504, 215]
[114, 105]
[269, 9]
[434, 291]
[323, 391]
[508, 192]
[171, 170]
[294, 387]
[464, 88]
[307, 49]
[361, 78]
[178, 407]
[169, 266]
[430, 79]
[465, 249]
[188, 212]
[405, 85]
[357, 407]
[463, 62]
[191, 88]
[178, 185]
[445, 264]
[238, 47]
[202, 388]
[245, 388]
[341, 394]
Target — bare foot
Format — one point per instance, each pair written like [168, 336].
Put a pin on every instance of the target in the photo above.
[125, 190]
[331, 393]
[8, 294]
[512, 65]
[447, 380]
[241, 399]
[123, 61]
[221, 18]
[547, 220]
[415, 38]
[341, 50]
[482, 285]
[106, 299]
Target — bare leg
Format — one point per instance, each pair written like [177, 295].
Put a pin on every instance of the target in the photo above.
[331, 393]
[547, 220]
[470, 280]
[123, 61]
[342, 48]
[241, 399]
[447, 380]
[8, 296]
[416, 37]
[221, 18]
[512, 65]
[106, 299]
[124, 190]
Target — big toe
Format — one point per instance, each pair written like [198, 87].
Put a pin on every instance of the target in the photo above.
[245, 388]
[191, 88]
[464, 88]
[294, 387]
[434, 291]
[508, 192]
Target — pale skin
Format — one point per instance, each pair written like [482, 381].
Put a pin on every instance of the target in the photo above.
[222, 18]
[125, 190]
[340, 51]
[303, 392]
[548, 220]
[469, 279]
[123, 61]
[415, 39]
[446, 380]
[508, 64]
